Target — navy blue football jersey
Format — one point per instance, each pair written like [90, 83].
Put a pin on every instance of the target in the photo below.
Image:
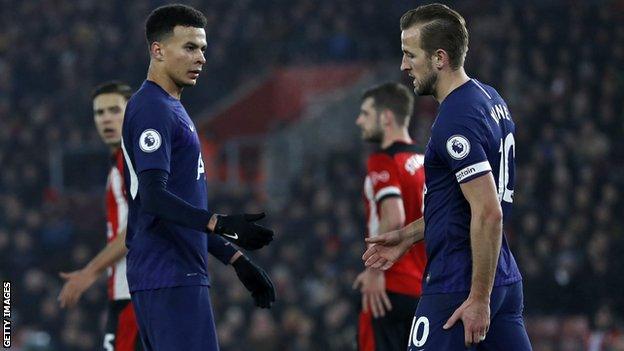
[158, 134]
[473, 134]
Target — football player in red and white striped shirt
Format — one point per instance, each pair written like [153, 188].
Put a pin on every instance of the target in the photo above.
[109, 104]
[393, 196]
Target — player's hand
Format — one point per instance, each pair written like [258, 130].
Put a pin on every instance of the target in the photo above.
[241, 230]
[387, 248]
[372, 285]
[76, 283]
[475, 315]
[256, 280]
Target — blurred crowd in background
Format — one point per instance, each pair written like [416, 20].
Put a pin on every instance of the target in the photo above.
[559, 66]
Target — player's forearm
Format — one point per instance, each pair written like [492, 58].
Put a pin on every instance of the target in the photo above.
[110, 254]
[414, 232]
[160, 202]
[485, 241]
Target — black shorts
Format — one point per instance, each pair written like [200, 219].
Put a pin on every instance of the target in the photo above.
[122, 332]
[390, 332]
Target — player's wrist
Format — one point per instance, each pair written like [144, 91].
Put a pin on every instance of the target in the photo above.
[212, 223]
[91, 271]
[372, 270]
[242, 265]
[235, 257]
[479, 296]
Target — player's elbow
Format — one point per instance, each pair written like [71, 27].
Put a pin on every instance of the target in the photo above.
[492, 215]
[488, 213]
[148, 206]
[393, 221]
[396, 223]
[149, 201]
[152, 185]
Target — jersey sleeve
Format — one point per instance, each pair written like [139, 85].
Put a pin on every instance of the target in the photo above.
[384, 177]
[220, 248]
[461, 143]
[151, 134]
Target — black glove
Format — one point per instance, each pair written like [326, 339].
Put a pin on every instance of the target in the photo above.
[256, 280]
[241, 230]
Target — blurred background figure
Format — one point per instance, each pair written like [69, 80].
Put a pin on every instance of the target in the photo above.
[283, 80]
[121, 332]
[393, 197]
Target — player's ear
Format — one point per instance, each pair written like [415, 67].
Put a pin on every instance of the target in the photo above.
[386, 117]
[156, 51]
[439, 57]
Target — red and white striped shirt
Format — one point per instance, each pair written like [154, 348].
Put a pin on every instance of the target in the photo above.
[116, 218]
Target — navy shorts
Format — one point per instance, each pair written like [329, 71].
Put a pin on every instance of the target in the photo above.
[178, 318]
[507, 331]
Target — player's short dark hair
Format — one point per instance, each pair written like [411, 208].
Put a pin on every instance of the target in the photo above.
[112, 87]
[442, 28]
[162, 20]
[395, 97]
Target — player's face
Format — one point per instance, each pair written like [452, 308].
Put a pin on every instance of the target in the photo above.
[417, 63]
[183, 54]
[369, 122]
[108, 114]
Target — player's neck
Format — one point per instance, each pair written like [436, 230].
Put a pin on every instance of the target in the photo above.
[164, 81]
[395, 135]
[449, 81]
[114, 148]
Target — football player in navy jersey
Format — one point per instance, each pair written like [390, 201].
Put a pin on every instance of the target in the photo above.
[121, 330]
[472, 289]
[168, 219]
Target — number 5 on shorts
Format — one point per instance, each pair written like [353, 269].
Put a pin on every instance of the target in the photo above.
[109, 342]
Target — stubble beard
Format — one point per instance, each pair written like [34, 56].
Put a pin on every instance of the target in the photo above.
[428, 84]
[374, 136]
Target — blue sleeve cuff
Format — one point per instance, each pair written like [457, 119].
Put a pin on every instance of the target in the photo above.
[220, 248]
